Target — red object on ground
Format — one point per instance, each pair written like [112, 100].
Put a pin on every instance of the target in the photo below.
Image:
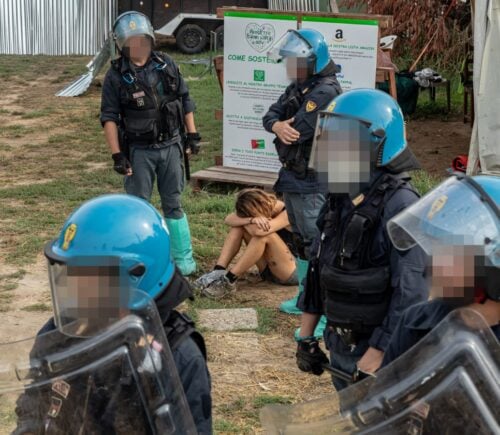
[459, 163]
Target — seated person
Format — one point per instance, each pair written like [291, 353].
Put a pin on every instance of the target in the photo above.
[463, 243]
[262, 223]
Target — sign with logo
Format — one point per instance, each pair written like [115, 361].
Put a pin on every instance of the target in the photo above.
[252, 81]
[353, 47]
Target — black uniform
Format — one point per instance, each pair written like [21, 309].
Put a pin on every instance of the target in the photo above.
[302, 101]
[148, 105]
[189, 355]
[302, 195]
[415, 323]
[357, 278]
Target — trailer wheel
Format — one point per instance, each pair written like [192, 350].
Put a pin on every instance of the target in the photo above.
[220, 36]
[191, 38]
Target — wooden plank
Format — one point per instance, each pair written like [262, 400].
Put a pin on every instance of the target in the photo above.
[243, 172]
[385, 21]
[233, 178]
[220, 174]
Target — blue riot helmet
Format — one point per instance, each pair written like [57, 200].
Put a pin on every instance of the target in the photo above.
[307, 44]
[129, 24]
[109, 250]
[460, 216]
[360, 131]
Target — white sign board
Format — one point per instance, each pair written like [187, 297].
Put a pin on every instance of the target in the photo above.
[353, 47]
[252, 82]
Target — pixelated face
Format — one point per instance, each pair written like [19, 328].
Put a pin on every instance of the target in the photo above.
[138, 47]
[297, 68]
[342, 154]
[93, 296]
[452, 271]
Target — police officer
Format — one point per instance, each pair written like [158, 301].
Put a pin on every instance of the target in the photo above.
[458, 225]
[293, 119]
[357, 278]
[144, 110]
[127, 232]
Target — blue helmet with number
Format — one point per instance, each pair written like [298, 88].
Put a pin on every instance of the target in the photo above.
[130, 24]
[304, 43]
[120, 234]
[384, 119]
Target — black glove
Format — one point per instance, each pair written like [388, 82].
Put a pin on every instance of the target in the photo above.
[122, 165]
[192, 142]
[310, 358]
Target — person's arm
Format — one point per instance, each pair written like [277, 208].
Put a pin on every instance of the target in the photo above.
[189, 122]
[233, 220]
[279, 206]
[276, 112]
[279, 222]
[111, 135]
[409, 287]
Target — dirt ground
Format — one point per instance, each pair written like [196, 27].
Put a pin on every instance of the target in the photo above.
[243, 364]
[436, 143]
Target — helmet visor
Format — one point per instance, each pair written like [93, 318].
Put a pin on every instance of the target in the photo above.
[131, 24]
[453, 214]
[291, 44]
[342, 153]
[89, 294]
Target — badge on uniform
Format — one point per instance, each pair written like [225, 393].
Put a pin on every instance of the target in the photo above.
[55, 407]
[139, 98]
[61, 387]
[310, 106]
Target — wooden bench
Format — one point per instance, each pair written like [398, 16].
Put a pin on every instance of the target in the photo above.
[224, 174]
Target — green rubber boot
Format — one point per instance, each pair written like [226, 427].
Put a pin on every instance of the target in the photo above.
[290, 306]
[180, 245]
[318, 331]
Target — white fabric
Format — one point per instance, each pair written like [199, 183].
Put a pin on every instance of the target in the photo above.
[485, 140]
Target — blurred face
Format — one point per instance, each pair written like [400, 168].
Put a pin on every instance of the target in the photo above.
[297, 68]
[343, 155]
[453, 273]
[138, 47]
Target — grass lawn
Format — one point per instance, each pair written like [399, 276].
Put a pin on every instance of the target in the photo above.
[53, 157]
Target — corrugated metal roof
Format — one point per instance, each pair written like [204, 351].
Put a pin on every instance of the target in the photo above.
[295, 5]
[55, 27]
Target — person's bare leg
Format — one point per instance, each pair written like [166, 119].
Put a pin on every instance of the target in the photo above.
[279, 258]
[275, 252]
[231, 246]
[253, 253]
[261, 264]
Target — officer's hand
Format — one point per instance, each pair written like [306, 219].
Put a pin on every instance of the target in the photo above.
[310, 358]
[371, 361]
[262, 223]
[122, 165]
[285, 132]
[193, 143]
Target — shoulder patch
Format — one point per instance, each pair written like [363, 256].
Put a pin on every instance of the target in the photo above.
[310, 106]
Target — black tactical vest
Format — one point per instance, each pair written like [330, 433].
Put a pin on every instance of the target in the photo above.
[355, 288]
[153, 113]
[295, 157]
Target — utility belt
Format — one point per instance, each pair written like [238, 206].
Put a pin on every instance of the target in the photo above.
[299, 169]
[162, 141]
[349, 335]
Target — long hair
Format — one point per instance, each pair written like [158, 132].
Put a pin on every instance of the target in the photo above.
[255, 203]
